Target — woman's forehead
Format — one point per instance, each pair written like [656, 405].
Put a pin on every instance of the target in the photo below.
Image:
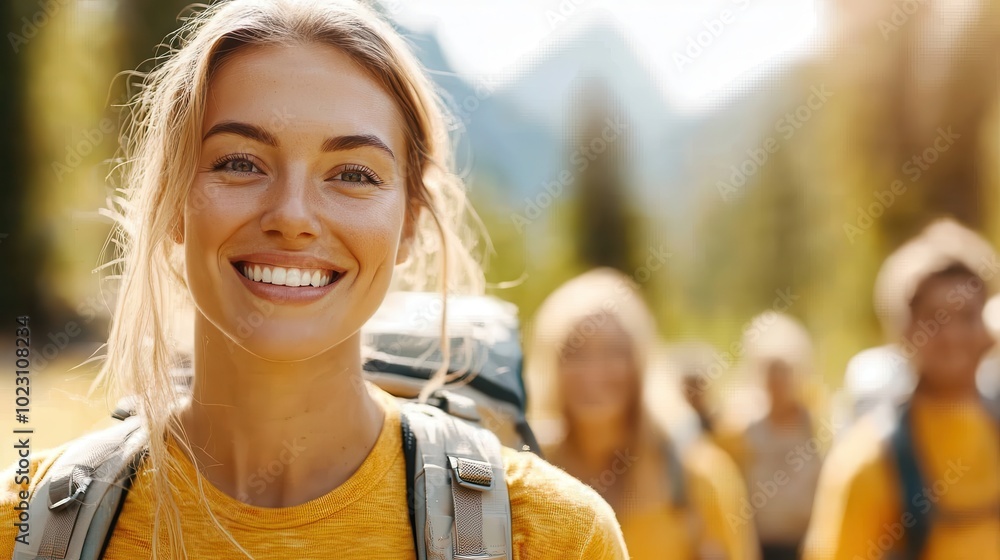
[302, 89]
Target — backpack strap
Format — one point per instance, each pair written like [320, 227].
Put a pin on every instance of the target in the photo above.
[456, 489]
[77, 502]
[676, 479]
[903, 451]
[911, 481]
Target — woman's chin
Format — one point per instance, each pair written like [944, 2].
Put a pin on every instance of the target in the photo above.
[599, 414]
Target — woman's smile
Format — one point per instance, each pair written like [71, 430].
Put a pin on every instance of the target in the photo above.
[287, 278]
[279, 280]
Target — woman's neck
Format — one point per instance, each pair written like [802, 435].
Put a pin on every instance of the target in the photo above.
[595, 444]
[278, 434]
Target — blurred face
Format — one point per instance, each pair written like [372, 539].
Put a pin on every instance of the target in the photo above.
[294, 221]
[947, 336]
[598, 374]
[694, 385]
[780, 382]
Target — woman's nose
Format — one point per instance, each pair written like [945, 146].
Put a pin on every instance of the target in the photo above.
[290, 210]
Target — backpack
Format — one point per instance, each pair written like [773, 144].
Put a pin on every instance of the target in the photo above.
[903, 453]
[403, 338]
[457, 497]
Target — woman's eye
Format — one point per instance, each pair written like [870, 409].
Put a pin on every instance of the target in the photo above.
[352, 177]
[358, 175]
[236, 164]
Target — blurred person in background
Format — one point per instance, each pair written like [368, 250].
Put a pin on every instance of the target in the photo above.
[586, 373]
[883, 376]
[694, 387]
[922, 480]
[988, 376]
[875, 377]
[779, 453]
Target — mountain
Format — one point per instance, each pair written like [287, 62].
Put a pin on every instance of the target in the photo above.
[517, 135]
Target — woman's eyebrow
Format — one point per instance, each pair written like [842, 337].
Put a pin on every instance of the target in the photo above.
[350, 142]
[247, 130]
[332, 144]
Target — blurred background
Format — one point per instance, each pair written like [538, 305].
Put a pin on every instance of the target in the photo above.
[731, 156]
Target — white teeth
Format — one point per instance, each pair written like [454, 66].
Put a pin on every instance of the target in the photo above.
[279, 276]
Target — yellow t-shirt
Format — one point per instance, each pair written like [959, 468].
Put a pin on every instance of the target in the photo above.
[858, 512]
[553, 515]
[716, 492]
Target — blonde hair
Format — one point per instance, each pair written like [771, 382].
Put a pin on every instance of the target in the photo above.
[161, 144]
[564, 318]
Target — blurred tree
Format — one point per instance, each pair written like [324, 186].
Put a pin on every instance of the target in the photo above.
[21, 247]
[143, 29]
[606, 228]
[928, 76]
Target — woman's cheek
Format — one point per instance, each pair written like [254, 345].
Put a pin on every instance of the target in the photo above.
[373, 231]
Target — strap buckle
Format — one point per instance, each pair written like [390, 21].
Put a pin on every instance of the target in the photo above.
[472, 474]
[75, 496]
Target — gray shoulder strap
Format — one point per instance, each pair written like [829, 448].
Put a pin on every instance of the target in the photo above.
[75, 504]
[461, 505]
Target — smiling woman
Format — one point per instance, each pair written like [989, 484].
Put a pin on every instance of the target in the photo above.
[296, 227]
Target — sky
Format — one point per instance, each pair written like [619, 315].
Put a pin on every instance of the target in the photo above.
[698, 51]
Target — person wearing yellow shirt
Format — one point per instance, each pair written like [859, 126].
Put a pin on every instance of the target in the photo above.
[922, 481]
[285, 165]
[585, 373]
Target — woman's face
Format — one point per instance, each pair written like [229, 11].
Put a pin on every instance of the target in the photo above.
[294, 222]
[598, 375]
